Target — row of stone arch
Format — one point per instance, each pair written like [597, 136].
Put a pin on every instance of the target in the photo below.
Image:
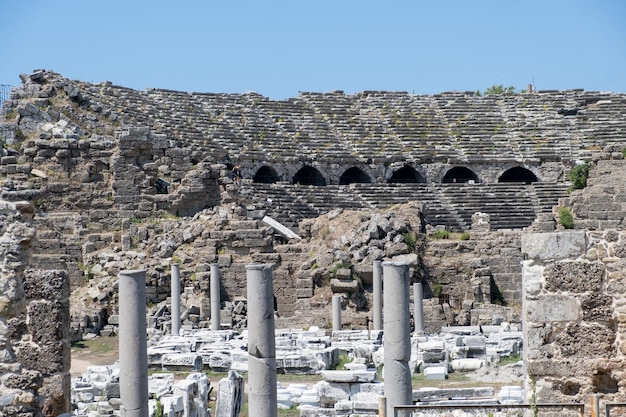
[308, 175]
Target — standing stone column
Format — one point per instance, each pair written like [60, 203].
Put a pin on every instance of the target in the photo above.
[396, 336]
[262, 394]
[175, 297]
[215, 297]
[378, 295]
[336, 306]
[133, 343]
[418, 307]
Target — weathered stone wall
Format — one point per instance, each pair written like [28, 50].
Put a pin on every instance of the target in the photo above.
[573, 315]
[34, 336]
[574, 296]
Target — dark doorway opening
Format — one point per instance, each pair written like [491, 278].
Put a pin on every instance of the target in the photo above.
[406, 174]
[309, 176]
[354, 175]
[266, 175]
[518, 174]
[459, 175]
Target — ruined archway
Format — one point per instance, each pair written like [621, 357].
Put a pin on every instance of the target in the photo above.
[459, 175]
[266, 175]
[354, 175]
[518, 174]
[307, 175]
[406, 174]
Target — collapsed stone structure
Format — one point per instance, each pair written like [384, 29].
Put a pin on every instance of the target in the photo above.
[105, 178]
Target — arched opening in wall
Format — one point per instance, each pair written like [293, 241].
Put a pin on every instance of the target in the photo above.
[459, 175]
[266, 175]
[518, 174]
[406, 174]
[308, 175]
[354, 175]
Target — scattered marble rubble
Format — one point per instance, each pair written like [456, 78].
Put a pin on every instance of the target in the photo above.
[97, 393]
[354, 390]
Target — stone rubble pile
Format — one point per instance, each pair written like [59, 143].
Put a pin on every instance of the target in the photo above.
[354, 390]
[97, 393]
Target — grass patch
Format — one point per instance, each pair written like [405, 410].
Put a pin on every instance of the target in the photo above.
[508, 360]
[97, 346]
[440, 234]
[457, 379]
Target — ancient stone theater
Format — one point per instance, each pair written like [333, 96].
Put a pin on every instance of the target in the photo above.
[507, 207]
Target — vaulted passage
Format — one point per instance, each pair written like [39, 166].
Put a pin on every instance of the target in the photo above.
[518, 174]
[266, 175]
[354, 175]
[309, 176]
[406, 174]
[459, 175]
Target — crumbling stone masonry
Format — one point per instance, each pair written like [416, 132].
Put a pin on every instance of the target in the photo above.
[34, 312]
[574, 296]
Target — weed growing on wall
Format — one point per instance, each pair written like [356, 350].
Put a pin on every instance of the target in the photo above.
[566, 219]
[578, 176]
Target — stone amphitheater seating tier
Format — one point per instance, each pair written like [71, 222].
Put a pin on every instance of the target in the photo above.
[510, 205]
[377, 125]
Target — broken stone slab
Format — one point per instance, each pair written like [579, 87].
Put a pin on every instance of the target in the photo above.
[317, 412]
[556, 245]
[328, 394]
[239, 361]
[436, 372]
[511, 394]
[466, 364]
[431, 346]
[218, 361]
[343, 285]
[461, 330]
[230, 395]
[299, 362]
[181, 362]
[436, 394]
[173, 405]
[349, 376]
[160, 384]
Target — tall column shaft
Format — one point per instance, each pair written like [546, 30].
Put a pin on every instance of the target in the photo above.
[396, 336]
[378, 295]
[418, 307]
[175, 297]
[215, 297]
[133, 344]
[262, 393]
[336, 306]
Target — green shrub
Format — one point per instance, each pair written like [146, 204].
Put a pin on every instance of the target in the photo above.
[342, 361]
[565, 218]
[339, 265]
[437, 289]
[410, 240]
[464, 236]
[441, 234]
[578, 176]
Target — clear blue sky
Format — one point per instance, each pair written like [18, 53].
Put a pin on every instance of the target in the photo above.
[278, 48]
